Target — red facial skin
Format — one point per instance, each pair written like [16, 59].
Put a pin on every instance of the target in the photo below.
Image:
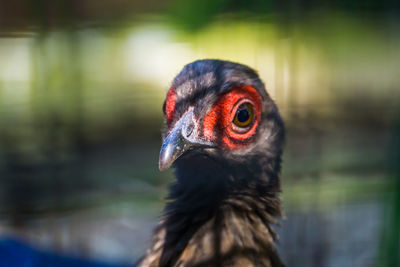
[170, 105]
[218, 124]
[218, 121]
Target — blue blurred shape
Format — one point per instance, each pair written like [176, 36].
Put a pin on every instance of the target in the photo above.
[14, 253]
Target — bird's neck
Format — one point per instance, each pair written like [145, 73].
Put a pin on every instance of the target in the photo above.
[201, 194]
[203, 185]
[201, 199]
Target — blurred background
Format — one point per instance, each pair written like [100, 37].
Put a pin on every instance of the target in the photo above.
[81, 89]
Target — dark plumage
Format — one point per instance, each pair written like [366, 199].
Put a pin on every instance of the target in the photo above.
[227, 189]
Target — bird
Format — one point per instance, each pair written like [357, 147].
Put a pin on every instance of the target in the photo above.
[224, 138]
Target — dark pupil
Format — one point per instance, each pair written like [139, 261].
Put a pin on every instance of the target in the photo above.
[243, 114]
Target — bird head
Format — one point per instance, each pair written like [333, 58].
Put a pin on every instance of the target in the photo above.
[220, 121]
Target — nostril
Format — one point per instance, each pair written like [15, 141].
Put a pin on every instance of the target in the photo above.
[189, 129]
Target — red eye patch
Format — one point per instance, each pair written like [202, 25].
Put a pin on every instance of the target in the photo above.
[170, 105]
[218, 121]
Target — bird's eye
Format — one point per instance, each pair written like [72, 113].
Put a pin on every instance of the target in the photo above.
[244, 115]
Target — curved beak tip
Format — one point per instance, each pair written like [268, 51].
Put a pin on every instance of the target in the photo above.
[163, 165]
[168, 153]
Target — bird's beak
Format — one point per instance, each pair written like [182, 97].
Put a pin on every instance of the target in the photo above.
[180, 139]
